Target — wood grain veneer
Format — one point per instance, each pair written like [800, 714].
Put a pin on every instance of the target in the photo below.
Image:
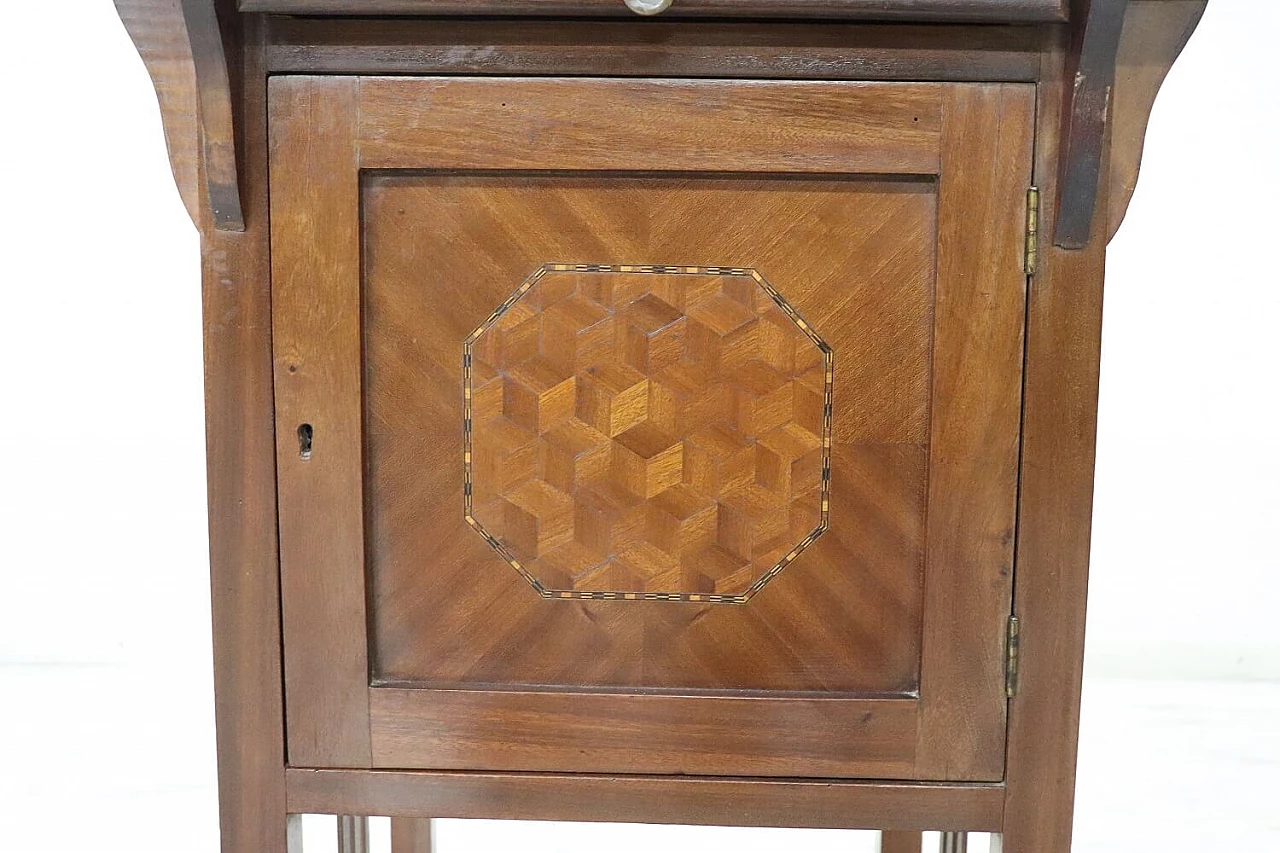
[363, 629]
[881, 428]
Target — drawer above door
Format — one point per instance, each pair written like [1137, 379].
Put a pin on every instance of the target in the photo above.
[639, 426]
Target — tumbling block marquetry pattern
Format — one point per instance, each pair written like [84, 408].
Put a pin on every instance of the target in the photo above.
[647, 433]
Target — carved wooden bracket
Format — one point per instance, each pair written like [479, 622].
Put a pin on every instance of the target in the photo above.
[1155, 32]
[182, 46]
[1123, 50]
[160, 37]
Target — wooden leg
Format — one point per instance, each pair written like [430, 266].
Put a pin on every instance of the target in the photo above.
[410, 835]
[353, 834]
[954, 842]
[243, 539]
[293, 833]
[1064, 325]
[892, 841]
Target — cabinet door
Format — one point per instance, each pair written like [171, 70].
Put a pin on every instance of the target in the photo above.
[648, 426]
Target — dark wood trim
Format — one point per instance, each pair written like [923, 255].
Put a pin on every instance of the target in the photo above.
[975, 11]
[248, 701]
[1091, 66]
[659, 49]
[1064, 324]
[649, 799]
[217, 114]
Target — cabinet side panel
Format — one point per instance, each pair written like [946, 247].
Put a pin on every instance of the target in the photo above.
[316, 329]
[242, 501]
[986, 170]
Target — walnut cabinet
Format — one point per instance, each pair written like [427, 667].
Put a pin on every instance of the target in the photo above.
[671, 412]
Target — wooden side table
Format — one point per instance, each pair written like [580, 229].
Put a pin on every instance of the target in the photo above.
[673, 412]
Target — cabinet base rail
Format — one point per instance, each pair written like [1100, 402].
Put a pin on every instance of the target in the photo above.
[722, 801]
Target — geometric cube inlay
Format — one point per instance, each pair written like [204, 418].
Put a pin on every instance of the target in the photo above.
[647, 432]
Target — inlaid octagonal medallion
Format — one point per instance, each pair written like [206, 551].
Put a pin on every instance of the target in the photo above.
[645, 432]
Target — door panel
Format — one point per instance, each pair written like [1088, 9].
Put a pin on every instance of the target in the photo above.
[843, 616]
[692, 451]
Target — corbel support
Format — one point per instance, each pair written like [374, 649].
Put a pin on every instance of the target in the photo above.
[160, 36]
[1122, 51]
[1155, 32]
[182, 45]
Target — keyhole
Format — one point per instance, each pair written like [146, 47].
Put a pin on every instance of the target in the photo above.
[305, 433]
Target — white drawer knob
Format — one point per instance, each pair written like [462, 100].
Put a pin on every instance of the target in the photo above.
[648, 7]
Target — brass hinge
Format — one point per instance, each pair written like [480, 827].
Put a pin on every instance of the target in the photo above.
[1032, 250]
[1011, 658]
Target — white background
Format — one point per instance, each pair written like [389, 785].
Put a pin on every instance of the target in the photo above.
[104, 624]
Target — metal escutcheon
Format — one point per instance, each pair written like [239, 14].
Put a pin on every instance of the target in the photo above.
[648, 7]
